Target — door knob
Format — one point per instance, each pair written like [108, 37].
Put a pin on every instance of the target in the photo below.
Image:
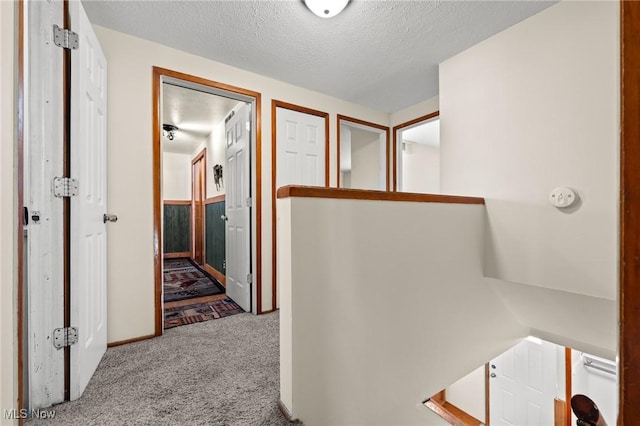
[224, 217]
[493, 375]
[109, 218]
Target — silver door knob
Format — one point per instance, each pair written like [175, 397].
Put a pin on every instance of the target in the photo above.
[493, 375]
[224, 217]
[109, 218]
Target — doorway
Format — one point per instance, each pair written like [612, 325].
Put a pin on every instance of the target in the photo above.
[362, 155]
[416, 155]
[198, 195]
[203, 131]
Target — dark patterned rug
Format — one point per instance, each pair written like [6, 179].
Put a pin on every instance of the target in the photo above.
[184, 279]
[190, 314]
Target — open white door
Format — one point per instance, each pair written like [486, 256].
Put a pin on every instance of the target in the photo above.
[88, 230]
[238, 207]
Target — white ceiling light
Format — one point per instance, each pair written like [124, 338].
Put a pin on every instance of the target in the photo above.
[326, 8]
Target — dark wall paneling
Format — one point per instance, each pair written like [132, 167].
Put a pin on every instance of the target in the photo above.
[177, 228]
[215, 236]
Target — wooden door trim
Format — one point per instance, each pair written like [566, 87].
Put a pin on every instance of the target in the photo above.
[395, 141]
[568, 385]
[629, 298]
[387, 131]
[157, 74]
[487, 395]
[201, 156]
[274, 105]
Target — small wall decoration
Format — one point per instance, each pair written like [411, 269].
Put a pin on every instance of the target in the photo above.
[217, 176]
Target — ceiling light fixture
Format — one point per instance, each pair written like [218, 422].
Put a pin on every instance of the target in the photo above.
[168, 130]
[326, 8]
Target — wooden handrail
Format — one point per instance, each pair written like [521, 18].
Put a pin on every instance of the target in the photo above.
[359, 194]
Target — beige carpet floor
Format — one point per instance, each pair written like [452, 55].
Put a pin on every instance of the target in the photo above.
[219, 372]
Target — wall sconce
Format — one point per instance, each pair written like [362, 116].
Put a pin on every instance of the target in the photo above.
[168, 131]
[326, 8]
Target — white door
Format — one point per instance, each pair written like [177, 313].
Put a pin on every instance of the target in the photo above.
[524, 385]
[300, 157]
[301, 148]
[238, 207]
[88, 230]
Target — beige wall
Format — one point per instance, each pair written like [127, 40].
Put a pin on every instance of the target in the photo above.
[421, 168]
[414, 111]
[523, 114]
[176, 176]
[530, 109]
[365, 160]
[131, 284]
[468, 394]
[371, 356]
[8, 308]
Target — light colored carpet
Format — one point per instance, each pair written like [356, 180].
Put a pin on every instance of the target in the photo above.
[219, 372]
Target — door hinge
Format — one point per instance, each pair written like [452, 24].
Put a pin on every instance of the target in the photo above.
[249, 278]
[248, 126]
[65, 337]
[249, 201]
[64, 38]
[65, 187]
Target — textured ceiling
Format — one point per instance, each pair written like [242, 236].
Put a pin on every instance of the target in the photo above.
[195, 114]
[382, 54]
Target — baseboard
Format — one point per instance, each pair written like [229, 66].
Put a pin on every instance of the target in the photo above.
[127, 341]
[177, 254]
[266, 312]
[216, 274]
[286, 413]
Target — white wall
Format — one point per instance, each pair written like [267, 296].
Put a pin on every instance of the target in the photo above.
[131, 284]
[530, 109]
[8, 219]
[216, 155]
[365, 160]
[421, 168]
[598, 385]
[523, 114]
[372, 358]
[468, 394]
[176, 176]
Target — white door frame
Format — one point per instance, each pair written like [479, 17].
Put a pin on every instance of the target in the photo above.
[254, 98]
[44, 280]
[397, 146]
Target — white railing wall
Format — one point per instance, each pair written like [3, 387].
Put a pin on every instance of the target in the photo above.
[383, 303]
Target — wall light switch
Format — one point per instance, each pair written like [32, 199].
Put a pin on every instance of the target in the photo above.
[562, 197]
